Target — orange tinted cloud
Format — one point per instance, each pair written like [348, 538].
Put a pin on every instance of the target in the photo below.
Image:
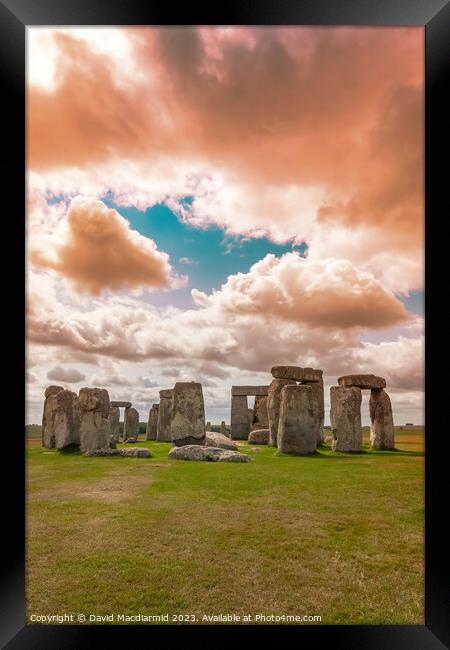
[329, 293]
[100, 251]
[336, 107]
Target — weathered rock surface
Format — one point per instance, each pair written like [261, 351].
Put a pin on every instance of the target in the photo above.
[131, 423]
[214, 439]
[242, 391]
[152, 423]
[95, 424]
[52, 390]
[139, 452]
[130, 441]
[260, 419]
[121, 404]
[240, 424]
[114, 421]
[382, 422]
[362, 381]
[318, 403]
[296, 373]
[259, 436]
[103, 452]
[198, 452]
[345, 416]
[48, 416]
[164, 415]
[223, 428]
[297, 431]
[273, 407]
[66, 421]
[188, 414]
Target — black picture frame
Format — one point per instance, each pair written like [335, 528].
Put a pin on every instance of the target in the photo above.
[434, 15]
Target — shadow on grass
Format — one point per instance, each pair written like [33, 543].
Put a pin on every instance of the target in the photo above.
[336, 455]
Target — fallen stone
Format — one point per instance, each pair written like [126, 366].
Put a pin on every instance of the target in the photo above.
[297, 431]
[259, 436]
[102, 452]
[382, 423]
[362, 381]
[214, 454]
[273, 407]
[345, 415]
[213, 439]
[130, 441]
[296, 373]
[187, 425]
[139, 452]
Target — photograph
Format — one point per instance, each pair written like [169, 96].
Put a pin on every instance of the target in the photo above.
[224, 325]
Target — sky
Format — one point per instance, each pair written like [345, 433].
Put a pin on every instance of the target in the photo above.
[206, 202]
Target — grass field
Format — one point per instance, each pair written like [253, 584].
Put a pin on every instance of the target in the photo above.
[335, 535]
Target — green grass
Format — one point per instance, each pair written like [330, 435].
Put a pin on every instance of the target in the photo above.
[336, 535]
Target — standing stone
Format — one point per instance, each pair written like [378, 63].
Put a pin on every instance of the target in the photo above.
[273, 407]
[114, 422]
[382, 422]
[48, 415]
[95, 424]
[164, 415]
[240, 422]
[67, 420]
[208, 426]
[188, 414]
[297, 430]
[131, 424]
[152, 423]
[345, 416]
[223, 428]
[318, 401]
[260, 419]
[250, 418]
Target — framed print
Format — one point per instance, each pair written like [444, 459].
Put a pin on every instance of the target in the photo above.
[227, 424]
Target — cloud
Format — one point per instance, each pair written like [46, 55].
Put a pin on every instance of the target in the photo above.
[336, 142]
[110, 380]
[284, 310]
[66, 375]
[98, 250]
[328, 293]
[147, 382]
